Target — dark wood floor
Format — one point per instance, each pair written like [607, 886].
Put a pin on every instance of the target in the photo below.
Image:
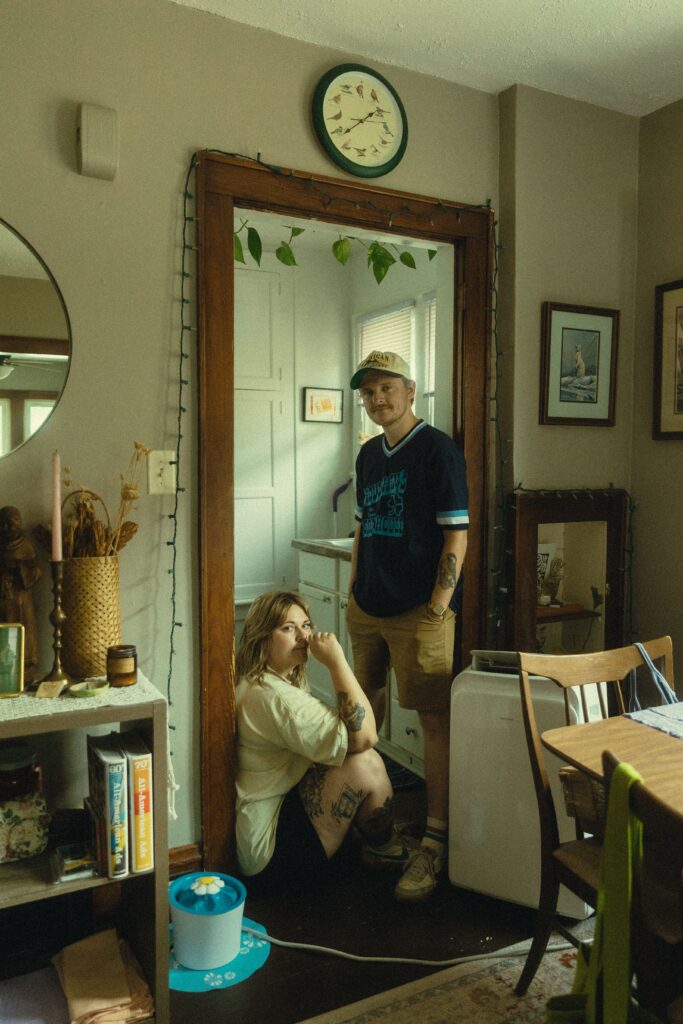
[354, 911]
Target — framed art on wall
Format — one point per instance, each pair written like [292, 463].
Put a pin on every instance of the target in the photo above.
[578, 365]
[11, 659]
[323, 405]
[668, 376]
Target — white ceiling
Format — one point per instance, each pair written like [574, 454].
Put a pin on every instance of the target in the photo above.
[622, 54]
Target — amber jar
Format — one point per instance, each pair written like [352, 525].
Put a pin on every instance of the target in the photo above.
[122, 665]
[19, 774]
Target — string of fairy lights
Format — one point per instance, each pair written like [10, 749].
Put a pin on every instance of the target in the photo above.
[498, 595]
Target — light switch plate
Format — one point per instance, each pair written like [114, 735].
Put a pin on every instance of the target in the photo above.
[161, 474]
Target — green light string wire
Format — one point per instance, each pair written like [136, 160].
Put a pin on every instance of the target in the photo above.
[497, 597]
[183, 382]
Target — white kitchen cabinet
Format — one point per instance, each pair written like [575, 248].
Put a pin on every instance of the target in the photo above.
[324, 575]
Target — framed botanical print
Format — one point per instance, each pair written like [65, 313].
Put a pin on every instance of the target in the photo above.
[668, 369]
[578, 365]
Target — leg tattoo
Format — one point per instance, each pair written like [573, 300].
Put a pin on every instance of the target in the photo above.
[311, 789]
[346, 804]
[378, 827]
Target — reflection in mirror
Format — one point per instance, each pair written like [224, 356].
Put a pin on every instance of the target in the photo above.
[307, 325]
[571, 565]
[35, 341]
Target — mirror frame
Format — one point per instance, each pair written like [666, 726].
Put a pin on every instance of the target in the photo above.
[224, 183]
[527, 510]
[49, 345]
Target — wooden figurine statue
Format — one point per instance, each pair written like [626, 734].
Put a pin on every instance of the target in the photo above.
[19, 571]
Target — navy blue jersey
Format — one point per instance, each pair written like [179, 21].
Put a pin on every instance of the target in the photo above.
[406, 496]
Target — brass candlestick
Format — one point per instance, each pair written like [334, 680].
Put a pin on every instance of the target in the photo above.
[57, 618]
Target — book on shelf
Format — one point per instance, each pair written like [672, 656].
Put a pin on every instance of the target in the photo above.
[108, 777]
[140, 801]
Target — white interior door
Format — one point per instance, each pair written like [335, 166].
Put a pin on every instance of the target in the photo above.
[264, 434]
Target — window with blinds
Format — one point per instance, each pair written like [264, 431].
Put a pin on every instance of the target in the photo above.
[388, 330]
[429, 341]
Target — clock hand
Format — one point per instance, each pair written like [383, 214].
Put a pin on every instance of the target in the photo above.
[361, 120]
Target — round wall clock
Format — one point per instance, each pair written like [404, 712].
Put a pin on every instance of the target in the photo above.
[360, 120]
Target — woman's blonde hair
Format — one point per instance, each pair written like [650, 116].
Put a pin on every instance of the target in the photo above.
[265, 614]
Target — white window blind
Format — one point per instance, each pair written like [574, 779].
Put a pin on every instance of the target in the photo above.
[389, 330]
[429, 344]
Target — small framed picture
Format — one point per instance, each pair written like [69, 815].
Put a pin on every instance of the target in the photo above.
[11, 659]
[323, 405]
[578, 365]
[668, 376]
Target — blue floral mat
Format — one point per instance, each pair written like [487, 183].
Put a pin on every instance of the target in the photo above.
[253, 954]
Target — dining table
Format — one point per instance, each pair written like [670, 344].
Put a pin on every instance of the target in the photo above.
[655, 754]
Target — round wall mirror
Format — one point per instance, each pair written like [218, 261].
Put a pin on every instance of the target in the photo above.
[35, 341]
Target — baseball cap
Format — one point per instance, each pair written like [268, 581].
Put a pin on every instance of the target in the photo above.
[383, 362]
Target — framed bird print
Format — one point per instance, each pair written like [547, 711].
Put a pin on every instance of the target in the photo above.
[360, 120]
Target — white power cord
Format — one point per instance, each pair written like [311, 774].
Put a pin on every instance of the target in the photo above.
[499, 954]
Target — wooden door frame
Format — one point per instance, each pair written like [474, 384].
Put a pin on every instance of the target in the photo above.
[223, 183]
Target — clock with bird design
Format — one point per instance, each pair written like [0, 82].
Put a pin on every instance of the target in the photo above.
[360, 120]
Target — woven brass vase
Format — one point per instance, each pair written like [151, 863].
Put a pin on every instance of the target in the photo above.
[91, 599]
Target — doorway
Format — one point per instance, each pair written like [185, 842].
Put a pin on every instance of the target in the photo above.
[224, 184]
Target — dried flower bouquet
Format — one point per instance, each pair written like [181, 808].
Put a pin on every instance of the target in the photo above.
[84, 533]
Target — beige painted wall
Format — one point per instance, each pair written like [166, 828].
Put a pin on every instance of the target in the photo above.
[569, 235]
[180, 81]
[657, 465]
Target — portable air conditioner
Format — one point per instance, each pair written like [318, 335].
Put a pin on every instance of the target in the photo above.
[494, 831]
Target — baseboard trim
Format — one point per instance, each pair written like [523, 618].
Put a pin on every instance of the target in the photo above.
[182, 859]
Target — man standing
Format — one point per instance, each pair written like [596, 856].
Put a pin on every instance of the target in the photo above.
[408, 551]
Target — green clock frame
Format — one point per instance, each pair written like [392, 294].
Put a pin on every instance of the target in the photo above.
[319, 123]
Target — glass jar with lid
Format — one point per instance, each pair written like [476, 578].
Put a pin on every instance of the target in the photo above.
[19, 773]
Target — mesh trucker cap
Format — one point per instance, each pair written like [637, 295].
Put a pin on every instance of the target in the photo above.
[382, 362]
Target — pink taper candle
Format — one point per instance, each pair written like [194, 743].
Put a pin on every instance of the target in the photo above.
[56, 509]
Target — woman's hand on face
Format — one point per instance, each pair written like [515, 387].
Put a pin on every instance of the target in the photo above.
[325, 648]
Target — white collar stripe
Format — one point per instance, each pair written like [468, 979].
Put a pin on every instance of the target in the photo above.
[401, 444]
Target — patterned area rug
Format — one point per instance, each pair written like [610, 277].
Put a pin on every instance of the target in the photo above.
[480, 992]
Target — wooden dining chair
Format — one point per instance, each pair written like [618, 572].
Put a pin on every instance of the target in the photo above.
[576, 863]
[657, 898]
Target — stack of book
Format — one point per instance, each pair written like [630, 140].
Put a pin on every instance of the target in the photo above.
[120, 804]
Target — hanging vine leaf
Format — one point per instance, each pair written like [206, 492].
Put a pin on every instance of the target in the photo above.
[408, 260]
[341, 250]
[239, 252]
[285, 255]
[380, 259]
[295, 232]
[254, 244]
[431, 253]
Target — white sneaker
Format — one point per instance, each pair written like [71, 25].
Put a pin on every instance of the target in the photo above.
[419, 881]
[394, 854]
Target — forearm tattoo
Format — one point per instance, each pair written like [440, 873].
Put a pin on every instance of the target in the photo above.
[311, 790]
[353, 715]
[346, 804]
[448, 572]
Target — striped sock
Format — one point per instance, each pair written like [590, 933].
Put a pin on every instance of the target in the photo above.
[436, 838]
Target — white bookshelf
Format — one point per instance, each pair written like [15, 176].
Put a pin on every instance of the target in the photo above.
[144, 917]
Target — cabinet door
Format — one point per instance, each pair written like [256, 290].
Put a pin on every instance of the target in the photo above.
[324, 615]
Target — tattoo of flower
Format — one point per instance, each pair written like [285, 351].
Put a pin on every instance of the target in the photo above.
[448, 571]
[352, 715]
[311, 790]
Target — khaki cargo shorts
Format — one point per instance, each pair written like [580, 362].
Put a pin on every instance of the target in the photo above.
[416, 644]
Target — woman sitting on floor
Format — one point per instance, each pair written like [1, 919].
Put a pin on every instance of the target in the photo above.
[306, 771]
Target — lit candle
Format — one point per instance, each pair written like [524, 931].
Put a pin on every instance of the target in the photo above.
[56, 509]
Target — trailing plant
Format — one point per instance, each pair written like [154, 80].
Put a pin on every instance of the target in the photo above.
[283, 253]
[379, 257]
